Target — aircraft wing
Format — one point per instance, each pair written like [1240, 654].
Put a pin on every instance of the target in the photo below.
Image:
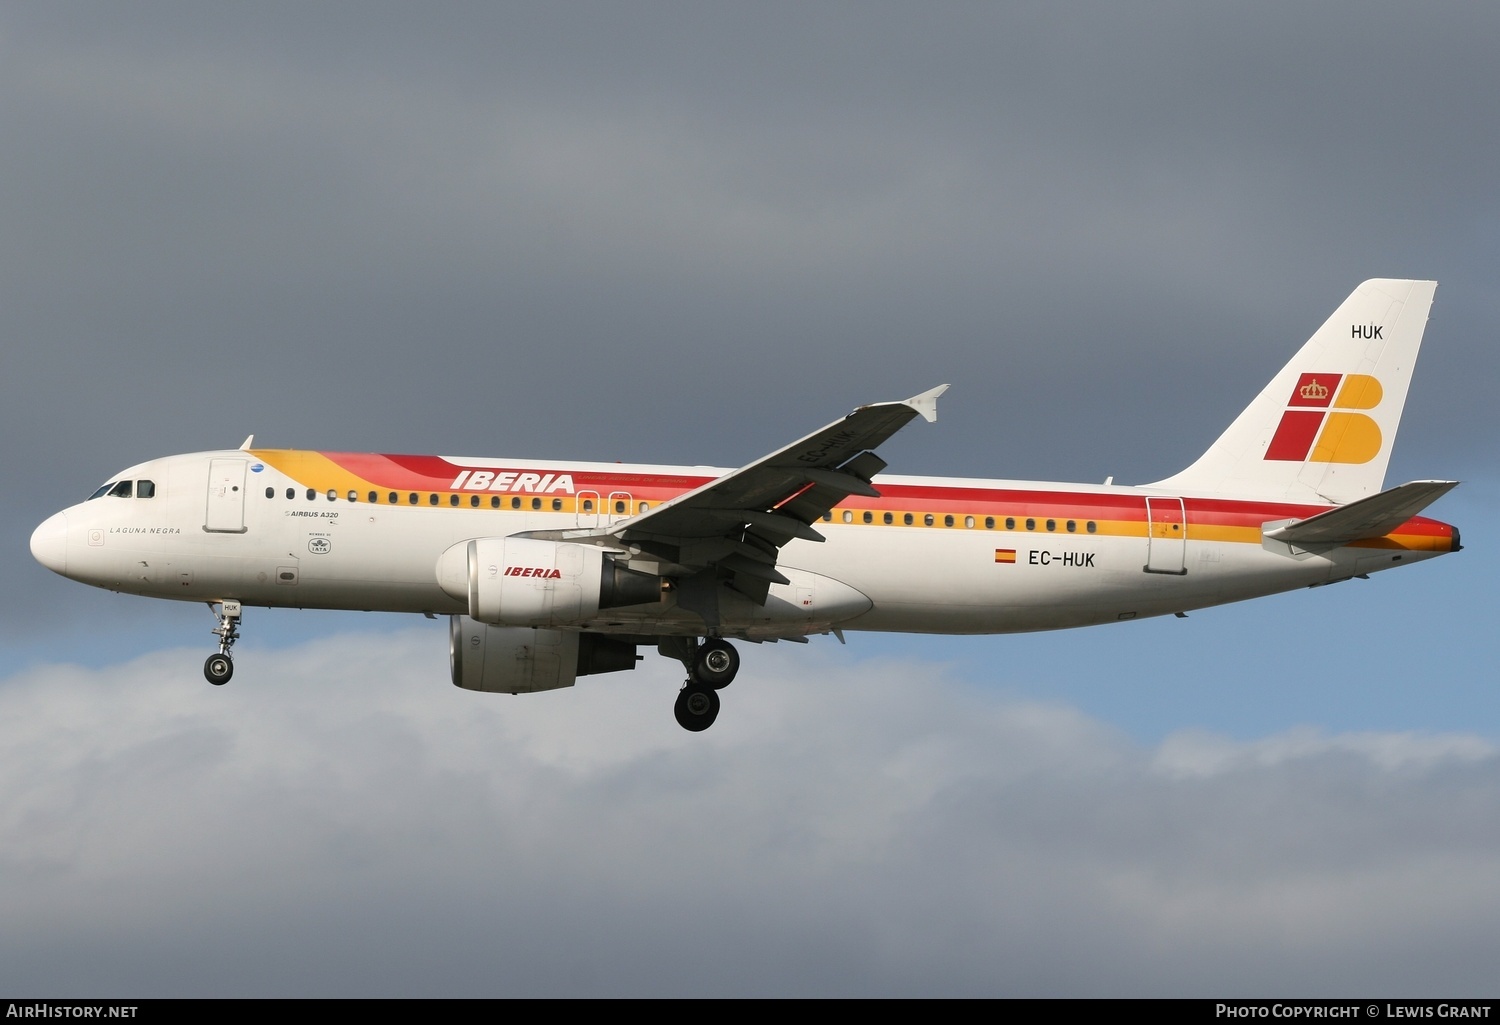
[1367, 518]
[729, 531]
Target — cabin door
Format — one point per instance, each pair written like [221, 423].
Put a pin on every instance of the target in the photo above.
[226, 497]
[1166, 536]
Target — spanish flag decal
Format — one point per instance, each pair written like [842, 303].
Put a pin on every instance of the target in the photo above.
[1007, 555]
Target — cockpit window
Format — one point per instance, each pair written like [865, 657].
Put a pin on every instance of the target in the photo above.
[104, 489]
[122, 489]
[145, 489]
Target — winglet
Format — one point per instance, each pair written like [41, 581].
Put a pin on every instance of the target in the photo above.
[248, 442]
[926, 403]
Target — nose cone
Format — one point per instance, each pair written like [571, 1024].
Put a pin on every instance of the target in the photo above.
[49, 543]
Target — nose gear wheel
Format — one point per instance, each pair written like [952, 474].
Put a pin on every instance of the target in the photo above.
[219, 667]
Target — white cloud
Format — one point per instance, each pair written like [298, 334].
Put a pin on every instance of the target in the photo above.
[1196, 753]
[341, 820]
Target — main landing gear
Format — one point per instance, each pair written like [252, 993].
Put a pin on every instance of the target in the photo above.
[219, 667]
[697, 707]
[711, 667]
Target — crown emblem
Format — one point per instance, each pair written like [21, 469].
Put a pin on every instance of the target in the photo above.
[1313, 390]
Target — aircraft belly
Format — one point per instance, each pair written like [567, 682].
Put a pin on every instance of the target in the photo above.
[1000, 582]
[969, 579]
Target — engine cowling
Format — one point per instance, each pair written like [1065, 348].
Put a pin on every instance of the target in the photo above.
[520, 581]
[523, 660]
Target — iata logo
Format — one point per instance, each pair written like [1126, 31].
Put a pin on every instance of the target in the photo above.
[533, 571]
[1317, 430]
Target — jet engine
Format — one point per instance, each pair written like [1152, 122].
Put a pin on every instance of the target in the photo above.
[522, 659]
[519, 581]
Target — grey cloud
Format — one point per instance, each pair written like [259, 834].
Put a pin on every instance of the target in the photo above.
[885, 829]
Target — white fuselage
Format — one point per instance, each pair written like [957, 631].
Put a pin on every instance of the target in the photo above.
[1091, 554]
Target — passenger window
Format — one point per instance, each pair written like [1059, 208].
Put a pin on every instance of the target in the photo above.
[927, 519]
[432, 500]
[828, 517]
[869, 516]
[353, 495]
[515, 503]
[968, 521]
[1051, 524]
[536, 503]
[333, 496]
[1010, 523]
[374, 497]
[557, 505]
[145, 489]
[1030, 523]
[947, 521]
[494, 501]
[453, 500]
[889, 519]
[270, 492]
[907, 519]
[588, 505]
[311, 494]
[121, 490]
[848, 516]
[1072, 526]
[1091, 527]
[645, 507]
[411, 498]
[989, 523]
[291, 492]
[619, 507]
[394, 498]
[474, 501]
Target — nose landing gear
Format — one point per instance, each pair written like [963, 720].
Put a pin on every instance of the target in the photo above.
[219, 667]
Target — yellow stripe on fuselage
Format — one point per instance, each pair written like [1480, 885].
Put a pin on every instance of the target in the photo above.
[307, 467]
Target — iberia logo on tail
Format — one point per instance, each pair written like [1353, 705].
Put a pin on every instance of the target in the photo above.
[1312, 431]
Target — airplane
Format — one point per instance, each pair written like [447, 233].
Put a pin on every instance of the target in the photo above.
[549, 571]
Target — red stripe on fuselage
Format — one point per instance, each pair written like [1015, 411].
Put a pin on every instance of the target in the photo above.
[434, 473]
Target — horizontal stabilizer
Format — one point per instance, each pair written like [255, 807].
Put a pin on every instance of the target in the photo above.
[1367, 518]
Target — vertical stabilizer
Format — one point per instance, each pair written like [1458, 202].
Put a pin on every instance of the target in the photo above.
[1322, 430]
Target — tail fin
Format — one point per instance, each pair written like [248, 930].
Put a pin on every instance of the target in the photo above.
[1322, 430]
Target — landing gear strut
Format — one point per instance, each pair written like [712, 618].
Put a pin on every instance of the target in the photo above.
[711, 667]
[219, 667]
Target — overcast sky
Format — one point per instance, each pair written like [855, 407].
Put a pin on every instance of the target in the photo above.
[690, 233]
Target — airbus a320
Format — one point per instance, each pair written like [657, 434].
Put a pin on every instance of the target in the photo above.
[550, 571]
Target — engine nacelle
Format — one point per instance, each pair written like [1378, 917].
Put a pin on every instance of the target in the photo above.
[521, 581]
[522, 659]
